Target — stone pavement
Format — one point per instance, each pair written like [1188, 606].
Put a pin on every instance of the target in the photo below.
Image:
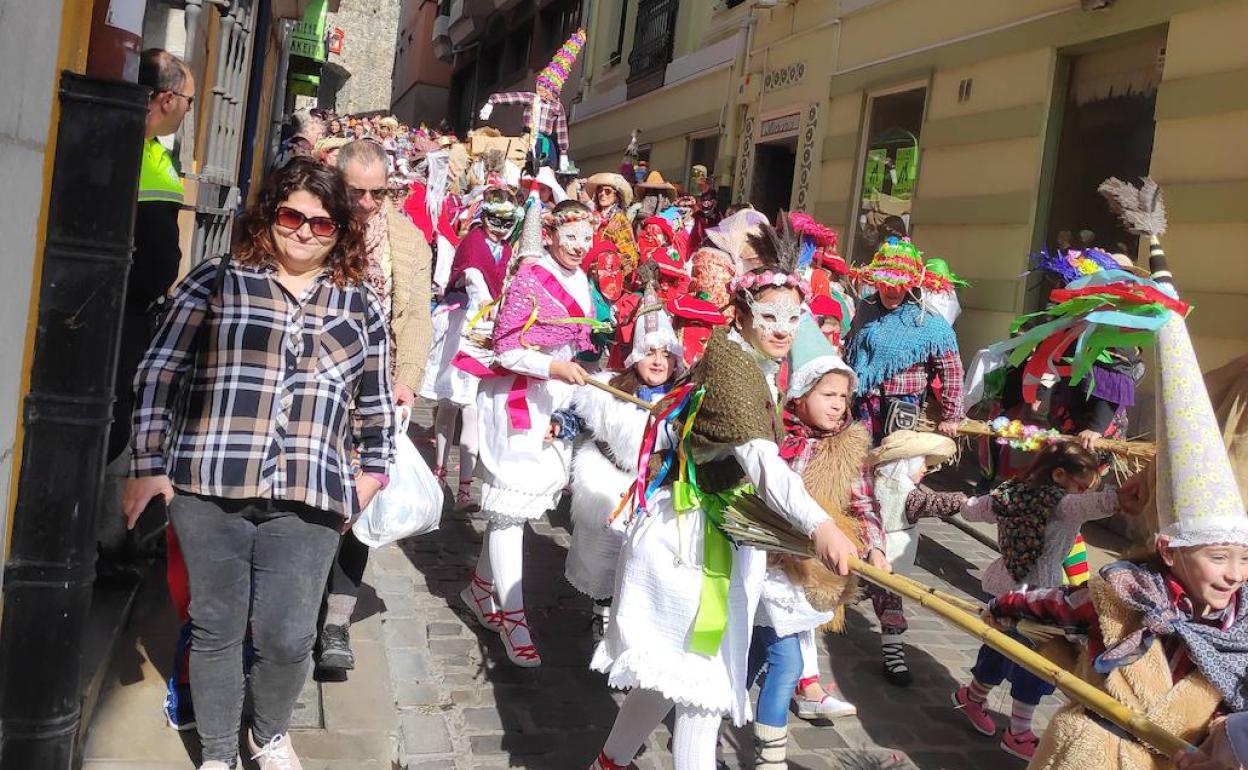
[463, 705]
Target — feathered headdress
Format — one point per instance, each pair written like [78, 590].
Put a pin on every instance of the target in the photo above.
[770, 258]
[551, 79]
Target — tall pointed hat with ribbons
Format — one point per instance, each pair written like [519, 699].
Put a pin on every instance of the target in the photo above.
[530, 244]
[813, 356]
[1198, 500]
[653, 327]
[551, 79]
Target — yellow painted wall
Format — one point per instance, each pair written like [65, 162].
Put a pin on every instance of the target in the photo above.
[1199, 157]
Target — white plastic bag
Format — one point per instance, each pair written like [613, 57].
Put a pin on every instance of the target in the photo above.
[411, 504]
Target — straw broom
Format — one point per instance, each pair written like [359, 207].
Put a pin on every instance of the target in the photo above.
[1140, 451]
[750, 522]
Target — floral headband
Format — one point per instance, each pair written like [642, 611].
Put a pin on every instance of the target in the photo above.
[554, 221]
[755, 282]
[500, 209]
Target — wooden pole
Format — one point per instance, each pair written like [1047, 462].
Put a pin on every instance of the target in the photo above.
[621, 395]
[1092, 697]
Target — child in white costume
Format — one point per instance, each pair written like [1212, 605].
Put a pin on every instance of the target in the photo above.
[604, 464]
[453, 374]
[674, 649]
[539, 328]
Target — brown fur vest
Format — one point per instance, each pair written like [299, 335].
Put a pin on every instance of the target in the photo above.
[1074, 741]
[836, 464]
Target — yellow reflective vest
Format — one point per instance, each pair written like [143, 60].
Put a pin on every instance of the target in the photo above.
[158, 177]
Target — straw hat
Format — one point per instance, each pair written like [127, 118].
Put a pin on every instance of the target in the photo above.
[935, 448]
[655, 181]
[615, 181]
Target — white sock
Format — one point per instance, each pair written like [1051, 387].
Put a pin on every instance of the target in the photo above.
[810, 653]
[771, 747]
[641, 712]
[468, 446]
[443, 426]
[506, 544]
[695, 739]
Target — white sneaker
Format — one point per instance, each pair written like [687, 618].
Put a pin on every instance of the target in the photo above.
[277, 754]
[829, 707]
[214, 764]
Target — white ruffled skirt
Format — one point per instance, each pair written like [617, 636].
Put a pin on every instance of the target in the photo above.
[657, 593]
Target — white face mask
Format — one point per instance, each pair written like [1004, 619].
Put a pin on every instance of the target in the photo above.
[572, 242]
[777, 317]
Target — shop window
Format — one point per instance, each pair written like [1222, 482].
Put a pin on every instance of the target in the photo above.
[890, 165]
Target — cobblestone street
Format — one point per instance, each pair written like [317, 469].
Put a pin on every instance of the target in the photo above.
[463, 705]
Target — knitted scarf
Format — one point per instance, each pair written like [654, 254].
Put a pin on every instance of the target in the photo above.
[1220, 654]
[1022, 512]
[888, 342]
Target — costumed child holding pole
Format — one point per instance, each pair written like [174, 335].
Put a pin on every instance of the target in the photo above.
[1037, 518]
[541, 325]
[608, 435]
[684, 596]
[475, 281]
[829, 449]
[1167, 633]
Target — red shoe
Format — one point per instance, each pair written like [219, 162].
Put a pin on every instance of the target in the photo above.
[975, 713]
[479, 596]
[1022, 745]
[603, 762]
[524, 655]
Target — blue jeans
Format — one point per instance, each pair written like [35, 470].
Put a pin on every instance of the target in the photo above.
[783, 658]
[992, 668]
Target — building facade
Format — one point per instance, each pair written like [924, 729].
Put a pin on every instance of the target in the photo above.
[362, 38]
[421, 87]
[985, 126]
[500, 45]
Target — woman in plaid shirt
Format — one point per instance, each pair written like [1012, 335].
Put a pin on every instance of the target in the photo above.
[265, 387]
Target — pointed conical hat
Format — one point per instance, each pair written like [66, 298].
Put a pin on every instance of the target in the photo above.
[1198, 500]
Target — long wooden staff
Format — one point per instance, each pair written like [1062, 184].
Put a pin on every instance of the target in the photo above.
[748, 521]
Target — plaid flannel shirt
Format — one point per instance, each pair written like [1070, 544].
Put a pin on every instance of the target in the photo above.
[914, 381]
[866, 511]
[275, 397]
[553, 123]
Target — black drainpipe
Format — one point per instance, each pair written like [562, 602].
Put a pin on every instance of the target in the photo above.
[51, 560]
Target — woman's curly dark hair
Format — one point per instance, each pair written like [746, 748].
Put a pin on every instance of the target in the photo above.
[253, 242]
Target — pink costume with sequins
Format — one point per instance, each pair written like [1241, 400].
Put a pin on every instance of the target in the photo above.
[524, 474]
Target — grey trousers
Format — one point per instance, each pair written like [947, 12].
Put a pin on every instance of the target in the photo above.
[257, 562]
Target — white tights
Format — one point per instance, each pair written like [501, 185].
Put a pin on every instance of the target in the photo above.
[502, 563]
[444, 426]
[693, 741]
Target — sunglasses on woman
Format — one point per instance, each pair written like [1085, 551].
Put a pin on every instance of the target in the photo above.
[290, 219]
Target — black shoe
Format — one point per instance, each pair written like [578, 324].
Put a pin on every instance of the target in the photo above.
[895, 669]
[335, 644]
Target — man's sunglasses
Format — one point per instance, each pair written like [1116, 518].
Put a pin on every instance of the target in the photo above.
[377, 194]
[289, 219]
[189, 99]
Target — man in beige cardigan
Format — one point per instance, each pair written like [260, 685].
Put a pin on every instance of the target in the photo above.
[399, 270]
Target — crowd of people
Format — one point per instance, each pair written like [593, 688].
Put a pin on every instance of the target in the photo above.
[618, 339]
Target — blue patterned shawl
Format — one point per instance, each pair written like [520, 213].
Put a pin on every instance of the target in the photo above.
[888, 342]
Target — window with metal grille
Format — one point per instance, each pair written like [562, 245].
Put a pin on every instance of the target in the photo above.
[654, 39]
